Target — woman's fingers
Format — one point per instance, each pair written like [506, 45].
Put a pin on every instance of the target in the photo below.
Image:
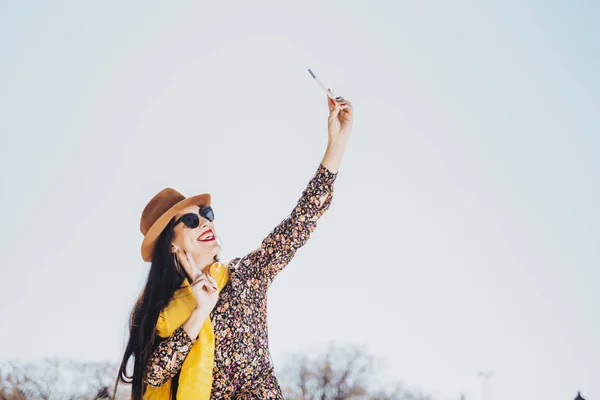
[194, 268]
[332, 104]
[203, 282]
[346, 106]
[189, 269]
[343, 102]
[213, 282]
[206, 280]
[199, 278]
[195, 275]
[338, 105]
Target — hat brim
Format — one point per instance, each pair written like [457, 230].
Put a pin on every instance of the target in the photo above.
[156, 229]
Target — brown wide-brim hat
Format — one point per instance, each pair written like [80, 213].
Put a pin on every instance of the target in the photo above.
[160, 210]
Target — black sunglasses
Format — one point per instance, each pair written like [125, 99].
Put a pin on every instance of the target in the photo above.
[192, 220]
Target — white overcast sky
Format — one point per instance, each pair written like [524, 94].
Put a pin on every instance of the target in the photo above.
[464, 232]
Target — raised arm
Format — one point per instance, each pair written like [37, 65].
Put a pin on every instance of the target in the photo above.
[339, 127]
[280, 246]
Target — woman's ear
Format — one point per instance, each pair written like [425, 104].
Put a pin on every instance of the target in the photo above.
[173, 248]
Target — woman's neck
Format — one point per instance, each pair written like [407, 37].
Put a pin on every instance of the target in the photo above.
[204, 263]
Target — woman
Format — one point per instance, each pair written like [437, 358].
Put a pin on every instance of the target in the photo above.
[199, 327]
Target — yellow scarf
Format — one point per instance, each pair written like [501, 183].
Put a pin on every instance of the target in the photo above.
[195, 379]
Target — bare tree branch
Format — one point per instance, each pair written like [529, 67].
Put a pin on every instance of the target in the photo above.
[341, 373]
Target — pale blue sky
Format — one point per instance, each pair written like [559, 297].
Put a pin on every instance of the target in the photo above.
[464, 233]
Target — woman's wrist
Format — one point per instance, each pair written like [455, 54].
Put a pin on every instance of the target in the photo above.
[333, 154]
[201, 313]
[194, 323]
[339, 141]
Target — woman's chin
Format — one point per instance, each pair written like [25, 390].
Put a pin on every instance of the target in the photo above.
[213, 247]
[216, 249]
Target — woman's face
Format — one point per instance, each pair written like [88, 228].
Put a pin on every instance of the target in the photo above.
[199, 242]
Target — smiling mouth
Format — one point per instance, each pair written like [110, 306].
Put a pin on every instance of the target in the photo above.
[207, 236]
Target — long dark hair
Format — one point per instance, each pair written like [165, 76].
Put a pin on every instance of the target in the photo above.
[164, 278]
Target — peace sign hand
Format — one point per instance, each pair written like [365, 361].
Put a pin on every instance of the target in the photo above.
[204, 287]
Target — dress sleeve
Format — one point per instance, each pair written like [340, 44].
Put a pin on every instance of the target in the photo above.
[168, 357]
[280, 246]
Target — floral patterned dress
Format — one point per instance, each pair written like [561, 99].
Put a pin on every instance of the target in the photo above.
[243, 368]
